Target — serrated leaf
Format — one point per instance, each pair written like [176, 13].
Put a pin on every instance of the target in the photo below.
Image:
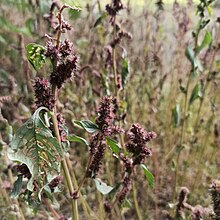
[196, 93]
[206, 41]
[35, 55]
[75, 138]
[102, 187]
[125, 68]
[88, 125]
[100, 19]
[17, 187]
[34, 145]
[176, 115]
[114, 145]
[149, 176]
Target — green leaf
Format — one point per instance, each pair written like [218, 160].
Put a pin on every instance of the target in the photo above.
[34, 145]
[74, 14]
[100, 19]
[196, 93]
[102, 187]
[114, 145]
[149, 176]
[35, 55]
[75, 138]
[17, 187]
[209, 9]
[127, 204]
[218, 65]
[195, 62]
[190, 56]
[206, 41]
[88, 125]
[176, 115]
[125, 68]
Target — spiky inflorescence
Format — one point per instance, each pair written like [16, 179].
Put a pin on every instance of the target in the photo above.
[97, 160]
[64, 60]
[64, 71]
[43, 95]
[215, 193]
[182, 201]
[106, 115]
[126, 188]
[137, 139]
[93, 143]
[114, 8]
[119, 37]
[128, 163]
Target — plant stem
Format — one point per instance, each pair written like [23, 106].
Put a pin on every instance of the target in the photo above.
[85, 205]
[207, 84]
[137, 208]
[52, 210]
[64, 166]
[182, 136]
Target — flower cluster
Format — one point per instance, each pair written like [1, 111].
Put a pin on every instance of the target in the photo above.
[114, 8]
[126, 188]
[64, 71]
[137, 139]
[65, 62]
[215, 193]
[97, 160]
[106, 115]
[122, 34]
[43, 95]
[105, 120]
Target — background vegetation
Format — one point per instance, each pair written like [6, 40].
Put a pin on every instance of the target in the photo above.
[172, 88]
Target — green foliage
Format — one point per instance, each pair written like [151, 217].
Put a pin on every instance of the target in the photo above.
[87, 125]
[196, 93]
[176, 114]
[35, 55]
[75, 138]
[17, 187]
[125, 68]
[74, 14]
[34, 145]
[194, 60]
[127, 204]
[206, 41]
[100, 19]
[114, 145]
[149, 176]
